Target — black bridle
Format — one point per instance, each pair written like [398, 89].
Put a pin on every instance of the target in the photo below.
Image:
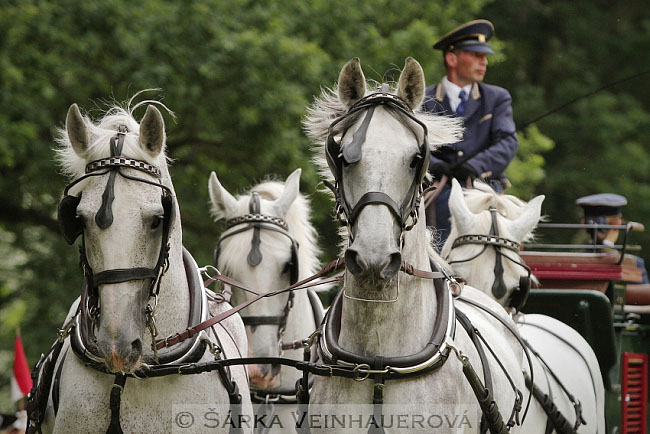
[405, 212]
[72, 226]
[499, 289]
[257, 221]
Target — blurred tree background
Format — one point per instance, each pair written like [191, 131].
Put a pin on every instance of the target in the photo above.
[239, 74]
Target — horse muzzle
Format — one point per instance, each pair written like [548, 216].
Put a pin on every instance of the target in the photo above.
[376, 268]
[264, 376]
[121, 356]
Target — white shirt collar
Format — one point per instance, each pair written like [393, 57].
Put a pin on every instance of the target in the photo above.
[452, 90]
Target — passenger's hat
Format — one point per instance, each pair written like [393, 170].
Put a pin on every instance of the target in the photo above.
[603, 204]
[472, 36]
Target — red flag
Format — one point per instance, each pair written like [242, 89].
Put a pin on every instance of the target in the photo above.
[21, 382]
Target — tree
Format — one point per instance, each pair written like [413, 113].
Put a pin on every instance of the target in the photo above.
[559, 51]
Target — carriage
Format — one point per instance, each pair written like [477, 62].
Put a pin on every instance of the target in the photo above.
[599, 294]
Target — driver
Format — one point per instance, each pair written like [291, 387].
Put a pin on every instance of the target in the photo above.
[605, 209]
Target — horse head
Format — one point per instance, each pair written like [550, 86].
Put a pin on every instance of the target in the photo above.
[378, 153]
[124, 222]
[487, 229]
[260, 250]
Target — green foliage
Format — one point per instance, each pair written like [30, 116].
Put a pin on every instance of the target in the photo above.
[558, 52]
[527, 170]
[238, 76]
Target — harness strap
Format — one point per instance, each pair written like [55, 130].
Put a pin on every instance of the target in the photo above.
[514, 333]
[263, 320]
[577, 406]
[56, 386]
[234, 397]
[516, 408]
[485, 399]
[377, 197]
[302, 397]
[559, 422]
[377, 426]
[119, 275]
[116, 398]
[469, 328]
[42, 380]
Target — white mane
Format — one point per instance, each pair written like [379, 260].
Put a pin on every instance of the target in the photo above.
[480, 198]
[73, 166]
[299, 224]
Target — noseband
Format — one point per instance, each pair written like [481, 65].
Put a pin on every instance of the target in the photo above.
[406, 212]
[257, 221]
[519, 293]
[72, 226]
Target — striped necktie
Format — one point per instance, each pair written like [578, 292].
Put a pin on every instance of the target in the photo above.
[460, 110]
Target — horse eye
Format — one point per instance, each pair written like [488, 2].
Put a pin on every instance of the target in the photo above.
[416, 161]
[286, 268]
[156, 221]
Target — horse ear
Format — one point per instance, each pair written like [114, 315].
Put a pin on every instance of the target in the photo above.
[410, 86]
[528, 219]
[152, 131]
[352, 83]
[77, 130]
[223, 202]
[463, 217]
[291, 189]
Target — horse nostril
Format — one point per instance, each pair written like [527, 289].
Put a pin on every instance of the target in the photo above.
[353, 262]
[393, 266]
[136, 347]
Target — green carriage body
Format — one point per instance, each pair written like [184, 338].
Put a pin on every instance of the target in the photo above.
[599, 294]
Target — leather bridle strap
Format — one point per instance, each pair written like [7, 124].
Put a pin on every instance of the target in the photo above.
[377, 197]
[499, 285]
[104, 216]
[255, 255]
[252, 320]
[119, 275]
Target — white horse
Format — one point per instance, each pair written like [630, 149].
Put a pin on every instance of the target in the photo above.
[269, 244]
[567, 353]
[138, 280]
[383, 312]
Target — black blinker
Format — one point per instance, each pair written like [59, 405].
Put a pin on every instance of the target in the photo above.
[70, 224]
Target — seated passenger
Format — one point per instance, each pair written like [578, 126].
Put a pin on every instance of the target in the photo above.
[605, 209]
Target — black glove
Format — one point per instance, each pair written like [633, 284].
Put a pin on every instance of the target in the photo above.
[440, 169]
[465, 171]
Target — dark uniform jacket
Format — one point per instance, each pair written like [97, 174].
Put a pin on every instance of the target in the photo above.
[489, 141]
